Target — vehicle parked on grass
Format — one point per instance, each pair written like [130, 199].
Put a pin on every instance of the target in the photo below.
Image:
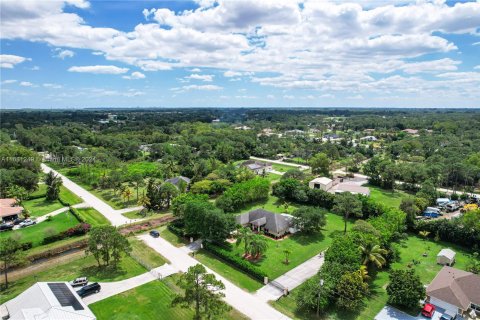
[155, 233]
[26, 223]
[6, 227]
[82, 281]
[430, 214]
[89, 289]
[428, 310]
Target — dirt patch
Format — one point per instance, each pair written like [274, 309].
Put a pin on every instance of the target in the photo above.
[146, 225]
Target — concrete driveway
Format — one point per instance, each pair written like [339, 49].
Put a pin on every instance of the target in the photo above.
[391, 313]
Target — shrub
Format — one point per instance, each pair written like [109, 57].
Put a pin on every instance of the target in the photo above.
[79, 230]
[235, 260]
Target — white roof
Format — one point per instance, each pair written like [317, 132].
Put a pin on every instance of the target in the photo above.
[449, 253]
[322, 180]
[39, 303]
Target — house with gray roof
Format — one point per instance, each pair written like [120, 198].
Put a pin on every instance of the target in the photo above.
[257, 166]
[274, 224]
[177, 180]
[455, 290]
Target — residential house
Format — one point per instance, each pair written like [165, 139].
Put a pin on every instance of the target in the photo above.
[9, 210]
[47, 301]
[446, 257]
[368, 138]
[455, 290]
[257, 166]
[411, 131]
[178, 180]
[274, 224]
[243, 128]
[295, 133]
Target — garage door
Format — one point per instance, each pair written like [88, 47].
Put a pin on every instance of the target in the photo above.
[444, 305]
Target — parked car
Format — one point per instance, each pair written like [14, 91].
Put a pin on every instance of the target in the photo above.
[27, 222]
[82, 281]
[452, 206]
[18, 221]
[428, 310]
[155, 233]
[6, 227]
[429, 214]
[448, 315]
[89, 289]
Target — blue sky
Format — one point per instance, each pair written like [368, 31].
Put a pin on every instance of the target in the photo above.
[247, 53]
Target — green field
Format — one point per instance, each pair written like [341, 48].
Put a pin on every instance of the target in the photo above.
[149, 301]
[92, 216]
[387, 197]
[83, 267]
[235, 275]
[171, 237]
[68, 197]
[146, 255]
[412, 248]
[272, 204]
[41, 206]
[38, 232]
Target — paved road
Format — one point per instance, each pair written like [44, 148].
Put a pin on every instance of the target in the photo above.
[110, 289]
[291, 279]
[114, 216]
[246, 303]
[300, 166]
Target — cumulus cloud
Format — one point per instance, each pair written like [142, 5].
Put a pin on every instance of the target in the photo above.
[9, 60]
[52, 85]
[98, 69]
[135, 75]
[206, 87]
[202, 77]
[62, 54]
[9, 81]
[26, 84]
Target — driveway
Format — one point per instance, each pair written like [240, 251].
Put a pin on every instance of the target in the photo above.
[291, 279]
[241, 300]
[391, 313]
[114, 216]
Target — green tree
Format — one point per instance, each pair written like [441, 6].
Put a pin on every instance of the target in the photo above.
[257, 246]
[320, 164]
[346, 205]
[309, 219]
[473, 264]
[203, 291]
[409, 206]
[168, 191]
[137, 181]
[405, 288]
[107, 245]
[428, 191]
[287, 253]
[373, 253]
[244, 235]
[10, 254]
[313, 295]
[53, 183]
[351, 290]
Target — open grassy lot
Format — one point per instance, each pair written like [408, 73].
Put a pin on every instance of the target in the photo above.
[273, 177]
[149, 301]
[230, 272]
[92, 216]
[38, 232]
[282, 167]
[146, 255]
[41, 191]
[138, 214]
[272, 204]
[387, 197]
[409, 250]
[85, 266]
[115, 199]
[172, 237]
[69, 197]
[41, 206]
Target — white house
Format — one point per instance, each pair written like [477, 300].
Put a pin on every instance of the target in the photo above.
[323, 183]
[47, 301]
[446, 257]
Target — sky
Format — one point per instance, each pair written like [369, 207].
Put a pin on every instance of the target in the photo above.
[246, 53]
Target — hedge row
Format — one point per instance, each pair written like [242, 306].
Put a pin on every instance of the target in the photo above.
[236, 261]
[75, 213]
[79, 230]
[451, 231]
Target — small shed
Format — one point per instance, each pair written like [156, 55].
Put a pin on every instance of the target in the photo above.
[323, 183]
[446, 257]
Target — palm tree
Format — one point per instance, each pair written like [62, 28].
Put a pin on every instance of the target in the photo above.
[127, 193]
[245, 235]
[287, 253]
[424, 234]
[373, 253]
[363, 273]
[258, 245]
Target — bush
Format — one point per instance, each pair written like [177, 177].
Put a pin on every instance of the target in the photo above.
[228, 256]
[451, 231]
[79, 230]
[75, 213]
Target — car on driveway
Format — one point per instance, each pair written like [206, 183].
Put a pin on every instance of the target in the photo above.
[6, 227]
[89, 289]
[428, 310]
[155, 233]
[82, 281]
[26, 223]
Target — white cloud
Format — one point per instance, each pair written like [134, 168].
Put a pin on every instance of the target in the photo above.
[196, 70]
[9, 60]
[270, 96]
[431, 66]
[98, 69]
[26, 84]
[231, 73]
[135, 75]
[203, 77]
[52, 85]
[206, 87]
[62, 54]
[288, 97]
[477, 67]
[8, 81]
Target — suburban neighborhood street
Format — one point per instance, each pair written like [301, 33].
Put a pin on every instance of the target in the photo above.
[241, 300]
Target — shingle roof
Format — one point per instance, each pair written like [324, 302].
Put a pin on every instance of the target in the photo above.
[457, 287]
[176, 180]
[275, 223]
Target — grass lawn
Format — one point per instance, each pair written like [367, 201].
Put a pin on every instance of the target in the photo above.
[235, 275]
[85, 266]
[69, 197]
[387, 197]
[282, 167]
[92, 216]
[149, 301]
[41, 206]
[146, 255]
[137, 214]
[273, 177]
[409, 249]
[41, 191]
[38, 232]
[272, 204]
[172, 237]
